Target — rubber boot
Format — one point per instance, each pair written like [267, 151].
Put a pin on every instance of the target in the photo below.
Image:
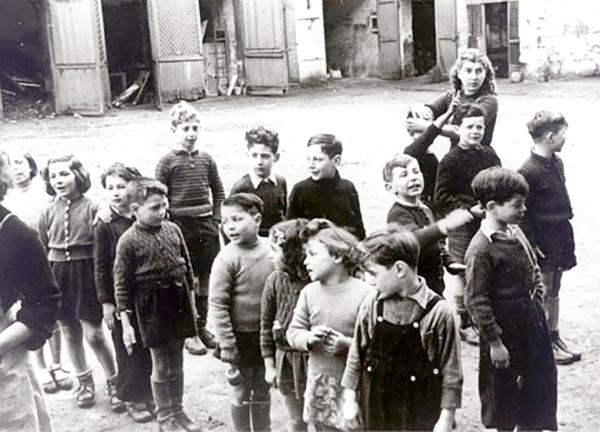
[261, 415]
[561, 357]
[241, 418]
[164, 410]
[176, 388]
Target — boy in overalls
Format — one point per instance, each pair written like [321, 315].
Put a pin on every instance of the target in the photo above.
[405, 356]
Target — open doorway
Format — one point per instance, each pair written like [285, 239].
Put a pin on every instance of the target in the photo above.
[423, 28]
[496, 36]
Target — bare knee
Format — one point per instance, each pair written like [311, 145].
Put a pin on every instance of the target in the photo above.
[94, 335]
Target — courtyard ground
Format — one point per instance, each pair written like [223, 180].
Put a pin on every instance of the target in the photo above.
[367, 115]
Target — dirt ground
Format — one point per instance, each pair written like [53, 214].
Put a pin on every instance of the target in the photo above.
[367, 116]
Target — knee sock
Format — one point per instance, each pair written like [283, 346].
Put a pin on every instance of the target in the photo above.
[240, 415]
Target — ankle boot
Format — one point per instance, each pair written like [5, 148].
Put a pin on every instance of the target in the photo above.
[162, 398]
[561, 345]
[562, 354]
[85, 392]
[176, 388]
[261, 415]
[241, 418]
[206, 337]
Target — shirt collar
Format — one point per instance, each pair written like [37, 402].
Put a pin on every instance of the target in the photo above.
[256, 180]
[419, 296]
[489, 232]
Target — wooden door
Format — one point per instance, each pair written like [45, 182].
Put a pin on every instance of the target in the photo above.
[446, 34]
[176, 41]
[388, 25]
[77, 53]
[306, 52]
[514, 43]
[263, 35]
[476, 18]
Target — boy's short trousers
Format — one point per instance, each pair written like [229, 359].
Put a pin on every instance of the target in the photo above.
[557, 243]
[248, 346]
[201, 236]
[79, 298]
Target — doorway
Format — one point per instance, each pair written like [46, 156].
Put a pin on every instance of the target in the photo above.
[496, 36]
[423, 28]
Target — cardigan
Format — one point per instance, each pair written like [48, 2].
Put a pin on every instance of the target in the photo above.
[195, 188]
[25, 274]
[333, 198]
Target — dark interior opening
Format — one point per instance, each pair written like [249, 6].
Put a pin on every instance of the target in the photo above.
[496, 36]
[423, 27]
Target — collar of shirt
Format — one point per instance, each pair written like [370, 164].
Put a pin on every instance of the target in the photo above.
[256, 180]
[543, 160]
[181, 152]
[489, 232]
[419, 296]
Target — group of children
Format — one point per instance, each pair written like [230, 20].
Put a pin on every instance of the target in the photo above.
[352, 329]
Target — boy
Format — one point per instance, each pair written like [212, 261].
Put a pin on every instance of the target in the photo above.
[263, 151]
[325, 194]
[517, 374]
[406, 348]
[193, 180]
[404, 180]
[153, 278]
[237, 280]
[546, 221]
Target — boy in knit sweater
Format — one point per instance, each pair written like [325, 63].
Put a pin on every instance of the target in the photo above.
[195, 196]
[547, 220]
[237, 279]
[325, 194]
[271, 188]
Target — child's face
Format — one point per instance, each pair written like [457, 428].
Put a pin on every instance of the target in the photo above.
[115, 190]
[240, 226]
[558, 139]
[320, 165]
[186, 134]
[62, 180]
[20, 170]
[471, 76]
[407, 182]
[511, 211]
[262, 159]
[319, 263]
[153, 211]
[471, 131]
[387, 280]
[276, 255]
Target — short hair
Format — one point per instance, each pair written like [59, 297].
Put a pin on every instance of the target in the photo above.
[330, 145]
[33, 168]
[5, 177]
[397, 161]
[388, 245]
[183, 112]
[266, 137]
[82, 177]
[338, 241]
[474, 55]
[498, 184]
[140, 189]
[121, 170]
[287, 235]
[544, 122]
[469, 110]
[248, 202]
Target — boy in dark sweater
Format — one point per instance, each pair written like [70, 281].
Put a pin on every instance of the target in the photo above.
[547, 221]
[271, 188]
[325, 194]
[195, 196]
[237, 281]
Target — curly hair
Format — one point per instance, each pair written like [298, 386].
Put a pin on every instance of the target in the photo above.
[338, 241]
[287, 235]
[266, 137]
[183, 112]
[475, 56]
[82, 177]
[121, 170]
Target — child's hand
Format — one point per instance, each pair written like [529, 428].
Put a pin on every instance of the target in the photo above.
[336, 343]
[478, 211]
[350, 410]
[417, 124]
[317, 336]
[455, 219]
[103, 214]
[499, 355]
[129, 338]
[271, 376]
[109, 311]
[230, 355]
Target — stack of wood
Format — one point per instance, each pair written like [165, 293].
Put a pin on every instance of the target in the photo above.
[136, 89]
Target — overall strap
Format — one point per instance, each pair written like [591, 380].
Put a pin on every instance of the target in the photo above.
[5, 219]
[430, 305]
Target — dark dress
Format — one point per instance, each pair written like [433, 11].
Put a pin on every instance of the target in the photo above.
[503, 296]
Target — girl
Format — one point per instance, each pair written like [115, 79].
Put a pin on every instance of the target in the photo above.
[473, 81]
[25, 324]
[27, 200]
[133, 380]
[284, 367]
[66, 231]
[323, 328]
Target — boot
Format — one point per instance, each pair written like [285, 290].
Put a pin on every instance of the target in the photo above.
[195, 346]
[241, 417]
[562, 355]
[85, 391]
[162, 398]
[261, 415]
[176, 388]
[468, 332]
[138, 411]
[116, 404]
[559, 343]
[207, 338]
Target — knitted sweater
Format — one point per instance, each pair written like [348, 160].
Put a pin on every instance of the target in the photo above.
[195, 188]
[237, 280]
[106, 236]
[273, 195]
[334, 198]
[149, 254]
